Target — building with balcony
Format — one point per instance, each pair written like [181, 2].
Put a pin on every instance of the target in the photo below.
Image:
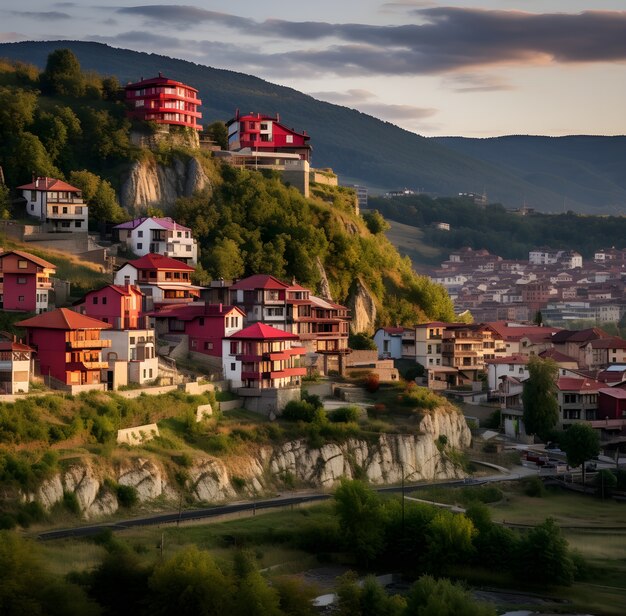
[388, 341]
[162, 236]
[163, 101]
[25, 284]
[15, 367]
[256, 132]
[132, 356]
[58, 206]
[578, 400]
[205, 326]
[162, 280]
[68, 348]
[263, 364]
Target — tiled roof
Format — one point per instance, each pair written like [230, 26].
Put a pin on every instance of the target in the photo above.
[46, 184]
[515, 333]
[186, 312]
[557, 356]
[26, 255]
[260, 281]
[9, 345]
[63, 318]
[165, 223]
[609, 343]
[614, 392]
[521, 360]
[393, 331]
[581, 335]
[260, 331]
[156, 261]
[567, 383]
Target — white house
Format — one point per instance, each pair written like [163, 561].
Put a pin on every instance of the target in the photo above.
[134, 349]
[57, 205]
[15, 367]
[162, 236]
[389, 342]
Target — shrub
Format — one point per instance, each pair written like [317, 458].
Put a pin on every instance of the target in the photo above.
[345, 414]
[299, 411]
[533, 486]
[239, 483]
[127, 496]
[605, 482]
[70, 502]
[372, 383]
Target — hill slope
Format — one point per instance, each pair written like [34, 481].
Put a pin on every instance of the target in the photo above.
[355, 144]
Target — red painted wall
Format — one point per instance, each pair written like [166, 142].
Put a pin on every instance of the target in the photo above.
[51, 352]
[111, 306]
[212, 331]
[13, 291]
[610, 407]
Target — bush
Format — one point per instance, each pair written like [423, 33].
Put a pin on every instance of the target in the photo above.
[127, 496]
[372, 383]
[533, 486]
[605, 482]
[70, 502]
[299, 411]
[345, 414]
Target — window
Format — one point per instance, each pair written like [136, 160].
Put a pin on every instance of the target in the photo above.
[95, 300]
[139, 233]
[233, 367]
[78, 209]
[79, 223]
[21, 280]
[188, 248]
[139, 245]
[201, 322]
[20, 298]
[289, 139]
[208, 346]
[132, 340]
[104, 300]
[65, 210]
[22, 264]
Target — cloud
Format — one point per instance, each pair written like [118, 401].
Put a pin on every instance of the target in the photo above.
[49, 15]
[184, 14]
[472, 82]
[395, 7]
[64, 5]
[12, 37]
[367, 102]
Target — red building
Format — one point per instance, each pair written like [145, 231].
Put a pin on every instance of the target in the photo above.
[24, 282]
[68, 346]
[264, 133]
[263, 357]
[611, 403]
[118, 305]
[163, 101]
[206, 325]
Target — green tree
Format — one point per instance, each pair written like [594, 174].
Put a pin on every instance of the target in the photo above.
[375, 222]
[5, 203]
[190, 584]
[99, 196]
[362, 341]
[580, 442]
[605, 481]
[449, 539]
[225, 260]
[296, 597]
[253, 596]
[218, 133]
[431, 597]
[543, 556]
[541, 409]
[361, 518]
[111, 90]
[63, 75]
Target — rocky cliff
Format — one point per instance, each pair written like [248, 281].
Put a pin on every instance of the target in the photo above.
[385, 460]
[362, 304]
[149, 183]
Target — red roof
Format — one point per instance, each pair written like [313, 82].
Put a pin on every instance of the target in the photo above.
[63, 318]
[186, 312]
[160, 80]
[514, 333]
[260, 281]
[609, 343]
[521, 360]
[260, 331]
[582, 335]
[614, 392]
[26, 255]
[9, 345]
[567, 383]
[557, 356]
[393, 331]
[46, 184]
[156, 261]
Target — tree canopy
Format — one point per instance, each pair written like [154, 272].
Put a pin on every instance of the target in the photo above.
[541, 409]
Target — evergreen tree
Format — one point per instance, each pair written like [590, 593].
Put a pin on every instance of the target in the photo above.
[541, 409]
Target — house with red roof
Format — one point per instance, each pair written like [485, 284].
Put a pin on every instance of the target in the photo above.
[388, 341]
[578, 399]
[262, 133]
[163, 101]
[499, 369]
[68, 348]
[25, 283]
[263, 364]
[204, 325]
[162, 280]
[15, 367]
[57, 205]
[611, 404]
[523, 339]
[132, 356]
[162, 236]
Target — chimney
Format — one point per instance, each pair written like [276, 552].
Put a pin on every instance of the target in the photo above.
[220, 307]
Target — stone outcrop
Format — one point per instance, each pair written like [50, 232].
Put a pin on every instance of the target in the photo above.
[362, 303]
[323, 285]
[388, 459]
[149, 183]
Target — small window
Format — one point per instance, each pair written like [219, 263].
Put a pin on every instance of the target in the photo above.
[78, 223]
[55, 209]
[65, 210]
[139, 233]
[201, 322]
[20, 298]
[233, 367]
[21, 280]
[22, 264]
[139, 245]
[104, 300]
[132, 339]
[208, 346]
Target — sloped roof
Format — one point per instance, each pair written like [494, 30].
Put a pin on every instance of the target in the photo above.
[63, 318]
[165, 223]
[26, 255]
[260, 281]
[46, 184]
[614, 392]
[515, 333]
[581, 335]
[609, 343]
[159, 80]
[187, 312]
[9, 345]
[568, 383]
[557, 356]
[393, 331]
[260, 331]
[156, 261]
[521, 360]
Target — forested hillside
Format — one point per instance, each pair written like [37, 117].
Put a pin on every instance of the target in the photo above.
[366, 149]
[503, 233]
[69, 124]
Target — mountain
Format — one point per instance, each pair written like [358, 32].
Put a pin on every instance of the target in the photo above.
[378, 153]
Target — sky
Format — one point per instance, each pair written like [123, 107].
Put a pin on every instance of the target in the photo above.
[470, 68]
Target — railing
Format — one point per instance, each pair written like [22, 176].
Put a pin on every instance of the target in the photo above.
[88, 344]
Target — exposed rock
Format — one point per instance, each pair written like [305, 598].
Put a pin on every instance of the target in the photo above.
[323, 285]
[386, 460]
[149, 183]
[362, 303]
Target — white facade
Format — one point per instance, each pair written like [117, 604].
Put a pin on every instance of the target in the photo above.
[428, 339]
[389, 344]
[231, 366]
[136, 347]
[14, 371]
[496, 370]
[160, 236]
[58, 210]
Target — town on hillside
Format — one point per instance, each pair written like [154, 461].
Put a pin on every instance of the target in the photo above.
[262, 335]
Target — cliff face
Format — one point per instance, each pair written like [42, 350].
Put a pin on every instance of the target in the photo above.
[214, 480]
[363, 308]
[149, 183]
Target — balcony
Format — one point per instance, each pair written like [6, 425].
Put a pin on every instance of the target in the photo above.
[88, 344]
[69, 215]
